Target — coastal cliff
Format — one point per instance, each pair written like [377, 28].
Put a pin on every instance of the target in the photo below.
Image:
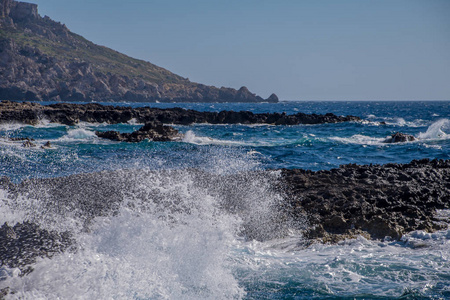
[41, 59]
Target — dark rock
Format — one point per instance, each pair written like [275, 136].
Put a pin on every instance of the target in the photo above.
[151, 131]
[71, 114]
[388, 200]
[47, 145]
[28, 144]
[399, 137]
[272, 98]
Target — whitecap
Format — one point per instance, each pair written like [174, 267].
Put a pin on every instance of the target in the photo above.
[439, 130]
[134, 121]
[359, 139]
[78, 134]
[191, 138]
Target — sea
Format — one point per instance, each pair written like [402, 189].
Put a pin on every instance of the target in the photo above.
[172, 237]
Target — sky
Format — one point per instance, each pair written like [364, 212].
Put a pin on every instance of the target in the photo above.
[298, 49]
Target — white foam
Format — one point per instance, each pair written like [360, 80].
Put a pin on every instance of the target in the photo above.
[439, 130]
[359, 139]
[134, 121]
[78, 134]
[191, 138]
[11, 126]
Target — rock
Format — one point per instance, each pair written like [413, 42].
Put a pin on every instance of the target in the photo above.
[71, 114]
[337, 204]
[47, 145]
[399, 137]
[28, 144]
[21, 139]
[151, 131]
[272, 98]
[388, 200]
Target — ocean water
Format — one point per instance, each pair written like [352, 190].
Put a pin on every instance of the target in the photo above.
[187, 207]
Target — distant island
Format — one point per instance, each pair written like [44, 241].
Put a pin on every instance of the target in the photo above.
[42, 60]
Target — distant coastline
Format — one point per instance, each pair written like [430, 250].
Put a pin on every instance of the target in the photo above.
[42, 60]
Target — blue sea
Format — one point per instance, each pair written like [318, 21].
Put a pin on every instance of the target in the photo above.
[172, 239]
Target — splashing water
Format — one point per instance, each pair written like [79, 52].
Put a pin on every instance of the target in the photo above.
[167, 235]
[439, 130]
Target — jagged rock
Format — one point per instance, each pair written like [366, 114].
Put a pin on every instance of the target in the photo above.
[399, 137]
[47, 145]
[387, 200]
[28, 144]
[151, 131]
[71, 114]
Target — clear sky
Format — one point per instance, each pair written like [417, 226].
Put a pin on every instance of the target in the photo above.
[301, 50]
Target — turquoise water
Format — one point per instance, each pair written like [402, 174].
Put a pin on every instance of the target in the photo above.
[315, 147]
[138, 254]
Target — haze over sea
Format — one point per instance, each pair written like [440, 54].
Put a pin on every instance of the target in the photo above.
[180, 244]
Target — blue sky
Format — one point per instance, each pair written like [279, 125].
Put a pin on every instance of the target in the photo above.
[301, 50]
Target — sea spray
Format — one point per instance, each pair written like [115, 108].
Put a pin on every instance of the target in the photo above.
[439, 130]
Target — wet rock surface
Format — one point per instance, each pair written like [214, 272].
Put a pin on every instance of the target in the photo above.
[71, 114]
[379, 201]
[399, 137]
[152, 131]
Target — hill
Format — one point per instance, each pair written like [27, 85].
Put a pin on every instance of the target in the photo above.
[41, 59]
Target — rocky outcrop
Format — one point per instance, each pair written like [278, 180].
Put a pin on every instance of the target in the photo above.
[40, 59]
[151, 131]
[379, 201]
[399, 137]
[70, 114]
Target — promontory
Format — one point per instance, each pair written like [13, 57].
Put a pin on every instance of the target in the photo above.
[41, 59]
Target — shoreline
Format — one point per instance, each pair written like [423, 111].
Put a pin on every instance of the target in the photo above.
[375, 201]
[71, 114]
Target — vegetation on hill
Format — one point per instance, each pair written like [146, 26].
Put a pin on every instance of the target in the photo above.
[40, 59]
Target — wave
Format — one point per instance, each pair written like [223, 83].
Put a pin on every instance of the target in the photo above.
[78, 134]
[439, 130]
[360, 140]
[191, 138]
[394, 121]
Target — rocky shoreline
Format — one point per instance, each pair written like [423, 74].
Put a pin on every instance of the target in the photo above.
[376, 201]
[70, 114]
